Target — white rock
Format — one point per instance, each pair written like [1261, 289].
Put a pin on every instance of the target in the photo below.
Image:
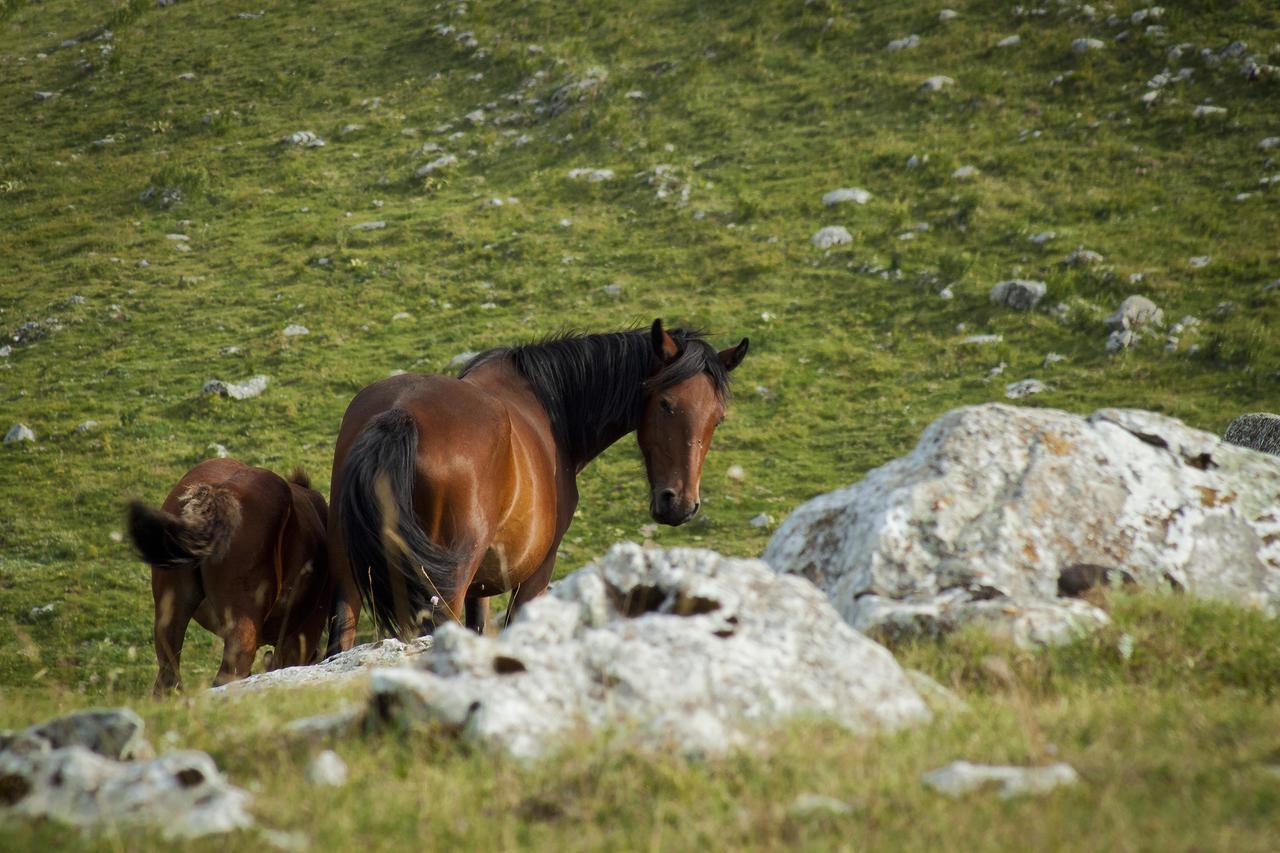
[1084, 45]
[475, 117]
[1020, 293]
[853, 194]
[86, 426]
[1009, 41]
[671, 649]
[293, 330]
[965, 172]
[373, 225]
[19, 432]
[1082, 257]
[961, 777]
[1208, 111]
[904, 43]
[999, 506]
[42, 611]
[435, 165]
[1053, 358]
[1024, 388]
[948, 14]
[1135, 312]
[1121, 339]
[761, 520]
[1043, 237]
[1199, 262]
[245, 390]
[982, 340]
[808, 804]
[1269, 143]
[593, 176]
[215, 450]
[339, 669]
[327, 769]
[830, 236]
[936, 83]
[735, 473]
[303, 139]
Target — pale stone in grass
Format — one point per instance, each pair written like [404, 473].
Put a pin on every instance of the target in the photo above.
[1258, 430]
[1084, 45]
[86, 426]
[215, 450]
[1001, 515]
[18, 433]
[303, 139]
[1199, 262]
[807, 804]
[340, 668]
[1121, 339]
[1082, 257]
[982, 340]
[1043, 237]
[904, 43]
[611, 647]
[761, 520]
[435, 165]
[831, 236]
[593, 176]
[327, 769]
[961, 777]
[462, 358]
[1209, 111]
[857, 195]
[936, 83]
[1135, 312]
[44, 96]
[948, 15]
[245, 390]
[1020, 293]
[1269, 143]
[1024, 388]
[374, 225]
[964, 173]
[735, 473]
[294, 330]
[1009, 41]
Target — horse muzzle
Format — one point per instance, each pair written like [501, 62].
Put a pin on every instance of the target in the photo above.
[666, 507]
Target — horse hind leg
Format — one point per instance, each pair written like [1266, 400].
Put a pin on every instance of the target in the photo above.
[177, 596]
[241, 614]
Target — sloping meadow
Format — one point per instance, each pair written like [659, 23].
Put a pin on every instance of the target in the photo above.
[171, 219]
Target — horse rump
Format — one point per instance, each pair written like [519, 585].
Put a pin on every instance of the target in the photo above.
[403, 577]
[209, 517]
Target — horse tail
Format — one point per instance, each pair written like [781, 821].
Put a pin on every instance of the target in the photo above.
[300, 477]
[403, 577]
[201, 532]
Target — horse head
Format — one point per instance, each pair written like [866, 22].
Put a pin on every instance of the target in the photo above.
[684, 403]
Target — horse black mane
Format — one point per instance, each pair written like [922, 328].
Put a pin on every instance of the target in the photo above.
[591, 383]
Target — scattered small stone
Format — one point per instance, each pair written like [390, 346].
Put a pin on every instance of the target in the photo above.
[1199, 262]
[303, 139]
[177, 238]
[293, 330]
[44, 96]
[964, 173]
[348, 129]
[1275, 285]
[1269, 143]
[905, 43]
[1009, 41]
[982, 340]
[1084, 45]
[735, 473]
[961, 777]
[636, 95]
[948, 14]
[832, 235]
[613, 289]
[1121, 339]
[85, 426]
[216, 450]
[761, 520]
[1043, 237]
[1082, 257]
[915, 161]
[808, 804]
[401, 315]
[593, 176]
[1208, 111]
[6, 351]
[1023, 388]
[998, 370]
[565, 223]
[936, 83]
[327, 770]
[474, 117]
[1053, 358]
[17, 433]
[374, 225]
[1224, 309]
[42, 611]
[856, 195]
[1020, 294]
[1135, 312]
[435, 165]
[245, 390]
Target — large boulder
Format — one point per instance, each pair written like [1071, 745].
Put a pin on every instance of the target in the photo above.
[1004, 516]
[343, 667]
[679, 648]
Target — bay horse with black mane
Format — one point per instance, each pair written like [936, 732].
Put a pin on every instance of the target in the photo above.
[446, 491]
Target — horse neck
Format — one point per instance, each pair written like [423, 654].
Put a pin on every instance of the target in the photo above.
[608, 437]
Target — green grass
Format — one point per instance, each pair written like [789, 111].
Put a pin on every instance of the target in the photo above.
[759, 109]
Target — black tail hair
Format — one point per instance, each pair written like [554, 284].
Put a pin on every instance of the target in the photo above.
[300, 477]
[210, 516]
[395, 565]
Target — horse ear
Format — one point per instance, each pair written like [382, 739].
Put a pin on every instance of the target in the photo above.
[733, 356]
[663, 346]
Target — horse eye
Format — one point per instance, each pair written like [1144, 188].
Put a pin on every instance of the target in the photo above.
[666, 406]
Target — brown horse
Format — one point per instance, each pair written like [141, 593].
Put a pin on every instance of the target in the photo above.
[447, 491]
[244, 552]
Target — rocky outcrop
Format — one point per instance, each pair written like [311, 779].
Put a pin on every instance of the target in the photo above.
[679, 648]
[72, 770]
[1004, 516]
[336, 670]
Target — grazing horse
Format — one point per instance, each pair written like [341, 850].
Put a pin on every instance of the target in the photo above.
[447, 491]
[245, 553]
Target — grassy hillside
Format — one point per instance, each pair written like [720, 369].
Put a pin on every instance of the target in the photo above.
[723, 124]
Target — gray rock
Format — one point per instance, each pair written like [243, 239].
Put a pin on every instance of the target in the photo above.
[1009, 41]
[808, 804]
[1024, 388]
[245, 390]
[435, 165]
[1121, 339]
[905, 43]
[857, 195]
[673, 649]
[114, 733]
[1082, 257]
[44, 96]
[6, 351]
[19, 432]
[215, 450]
[832, 235]
[594, 176]
[182, 795]
[982, 339]
[1001, 515]
[1258, 430]
[576, 90]
[1020, 294]
[1269, 143]
[86, 426]
[761, 520]
[1209, 111]
[338, 669]
[1135, 312]
[936, 83]
[948, 15]
[1043, 237]
[961, 777]
[294, 330]
[327, 770]
[1085, 45]
[303, 139]
[1199, 262]
[373, 225]
[965, 172]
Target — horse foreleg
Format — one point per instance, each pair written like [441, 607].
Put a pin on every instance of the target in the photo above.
[477, 614]
[532, 586]
[240, 646]
[344, 610]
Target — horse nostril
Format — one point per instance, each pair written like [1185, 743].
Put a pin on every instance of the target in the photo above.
[666, 497]
[696, 505]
